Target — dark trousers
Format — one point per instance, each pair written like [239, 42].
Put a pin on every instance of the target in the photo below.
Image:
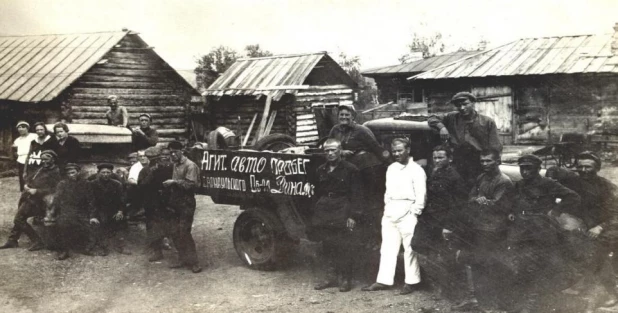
[110, 232]
[28, 207]
[70, 231]
[20, 173]
[178, 228]
[489, 271]
[602, 270]
[337, 250]
[467, 161]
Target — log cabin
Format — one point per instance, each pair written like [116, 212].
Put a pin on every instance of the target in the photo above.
[68, 77]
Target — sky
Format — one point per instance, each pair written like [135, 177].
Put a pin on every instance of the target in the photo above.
[378, 31]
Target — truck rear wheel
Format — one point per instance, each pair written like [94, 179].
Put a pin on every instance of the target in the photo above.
[260, 239]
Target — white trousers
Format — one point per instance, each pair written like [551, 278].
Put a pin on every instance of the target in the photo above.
[396, 232]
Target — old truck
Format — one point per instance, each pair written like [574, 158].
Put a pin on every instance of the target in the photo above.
[275, 190]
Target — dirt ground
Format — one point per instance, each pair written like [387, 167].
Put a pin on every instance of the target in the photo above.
[36, 282]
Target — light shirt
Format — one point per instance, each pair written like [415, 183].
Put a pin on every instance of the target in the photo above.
[134, 172]
[23, 147]
[405, 189]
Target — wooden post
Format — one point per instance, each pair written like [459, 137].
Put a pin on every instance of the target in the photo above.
[244, 141]
[260, 129]
[271, 121]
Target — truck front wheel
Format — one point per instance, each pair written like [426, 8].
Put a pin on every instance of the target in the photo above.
[260, 239]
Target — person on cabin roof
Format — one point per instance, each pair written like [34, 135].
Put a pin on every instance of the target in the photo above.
[116, 115]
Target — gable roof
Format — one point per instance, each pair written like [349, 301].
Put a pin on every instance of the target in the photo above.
[535, 56]
[418, 66]
[277, 75]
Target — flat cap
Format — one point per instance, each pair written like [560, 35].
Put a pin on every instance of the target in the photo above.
[146, 115]
[105, 166]
[152, 152]
[132, 155]
[347, 107]
[175, 145]
[50, 153]
[529, 159]
[24, 123]
[74, 166]
[464, 95]
[589, 155]
[112, 98]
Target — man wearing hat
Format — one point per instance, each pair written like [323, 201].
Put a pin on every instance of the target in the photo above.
[107, 215]
[532, 237]
[599, 211]
[181, 187]
[37, 195]
[116, 115]
[67, 217]
[486, 217]
[21, 147]
[468, 132]
[335, 214]
[144, 136]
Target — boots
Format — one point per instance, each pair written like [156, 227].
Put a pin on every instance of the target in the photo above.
[9, 244]
[156, 256]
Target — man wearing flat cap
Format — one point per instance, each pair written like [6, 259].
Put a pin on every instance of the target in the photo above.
[107, 215]
[532, 238]
[68, 215]
[37, 195]
[599, 211]
[144, 136]
[182, 187]
[468, 132]
[116, 115]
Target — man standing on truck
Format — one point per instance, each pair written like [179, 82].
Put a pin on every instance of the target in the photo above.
[335, 213]
[468, 132]
[116, 115]
[404, 201]
[182, 187]
[144, 136]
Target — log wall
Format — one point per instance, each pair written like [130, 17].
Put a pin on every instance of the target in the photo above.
[143, 82]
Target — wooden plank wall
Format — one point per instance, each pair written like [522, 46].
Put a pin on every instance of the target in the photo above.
[307, 131]
[143, 83]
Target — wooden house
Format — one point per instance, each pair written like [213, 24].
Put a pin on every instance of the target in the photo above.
[536, 89]
[299, 89]
[69, 77]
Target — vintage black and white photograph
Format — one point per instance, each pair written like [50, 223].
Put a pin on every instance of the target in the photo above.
[330, 156]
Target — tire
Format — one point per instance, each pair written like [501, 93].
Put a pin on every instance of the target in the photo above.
[261, 241]
[275, 142]
[216, 141]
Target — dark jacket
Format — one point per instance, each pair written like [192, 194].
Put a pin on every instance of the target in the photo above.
[482, 129]
[107, 199]
[151, 184]
[338, 194]
[44, 180]
[69, 152]
[360, 140]
[149, 139]
[73, 199]
[446, 197]
[598, 200]
[497, 188]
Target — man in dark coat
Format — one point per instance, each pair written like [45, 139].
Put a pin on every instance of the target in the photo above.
[533, 236]
[181, 188]
[68, 215]
[68, 148]
[335, 212]
[469, 132]
[151, 180]
[38, 193]
[107, 215]
[144, 136]
[599, 211]
[440, 227]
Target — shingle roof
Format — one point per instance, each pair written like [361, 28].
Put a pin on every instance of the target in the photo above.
[419, 65]
[38, 68]
[535, 56]
[274, 76]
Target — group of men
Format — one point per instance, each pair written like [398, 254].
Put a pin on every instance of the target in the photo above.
[507, 241]
[93, 209]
